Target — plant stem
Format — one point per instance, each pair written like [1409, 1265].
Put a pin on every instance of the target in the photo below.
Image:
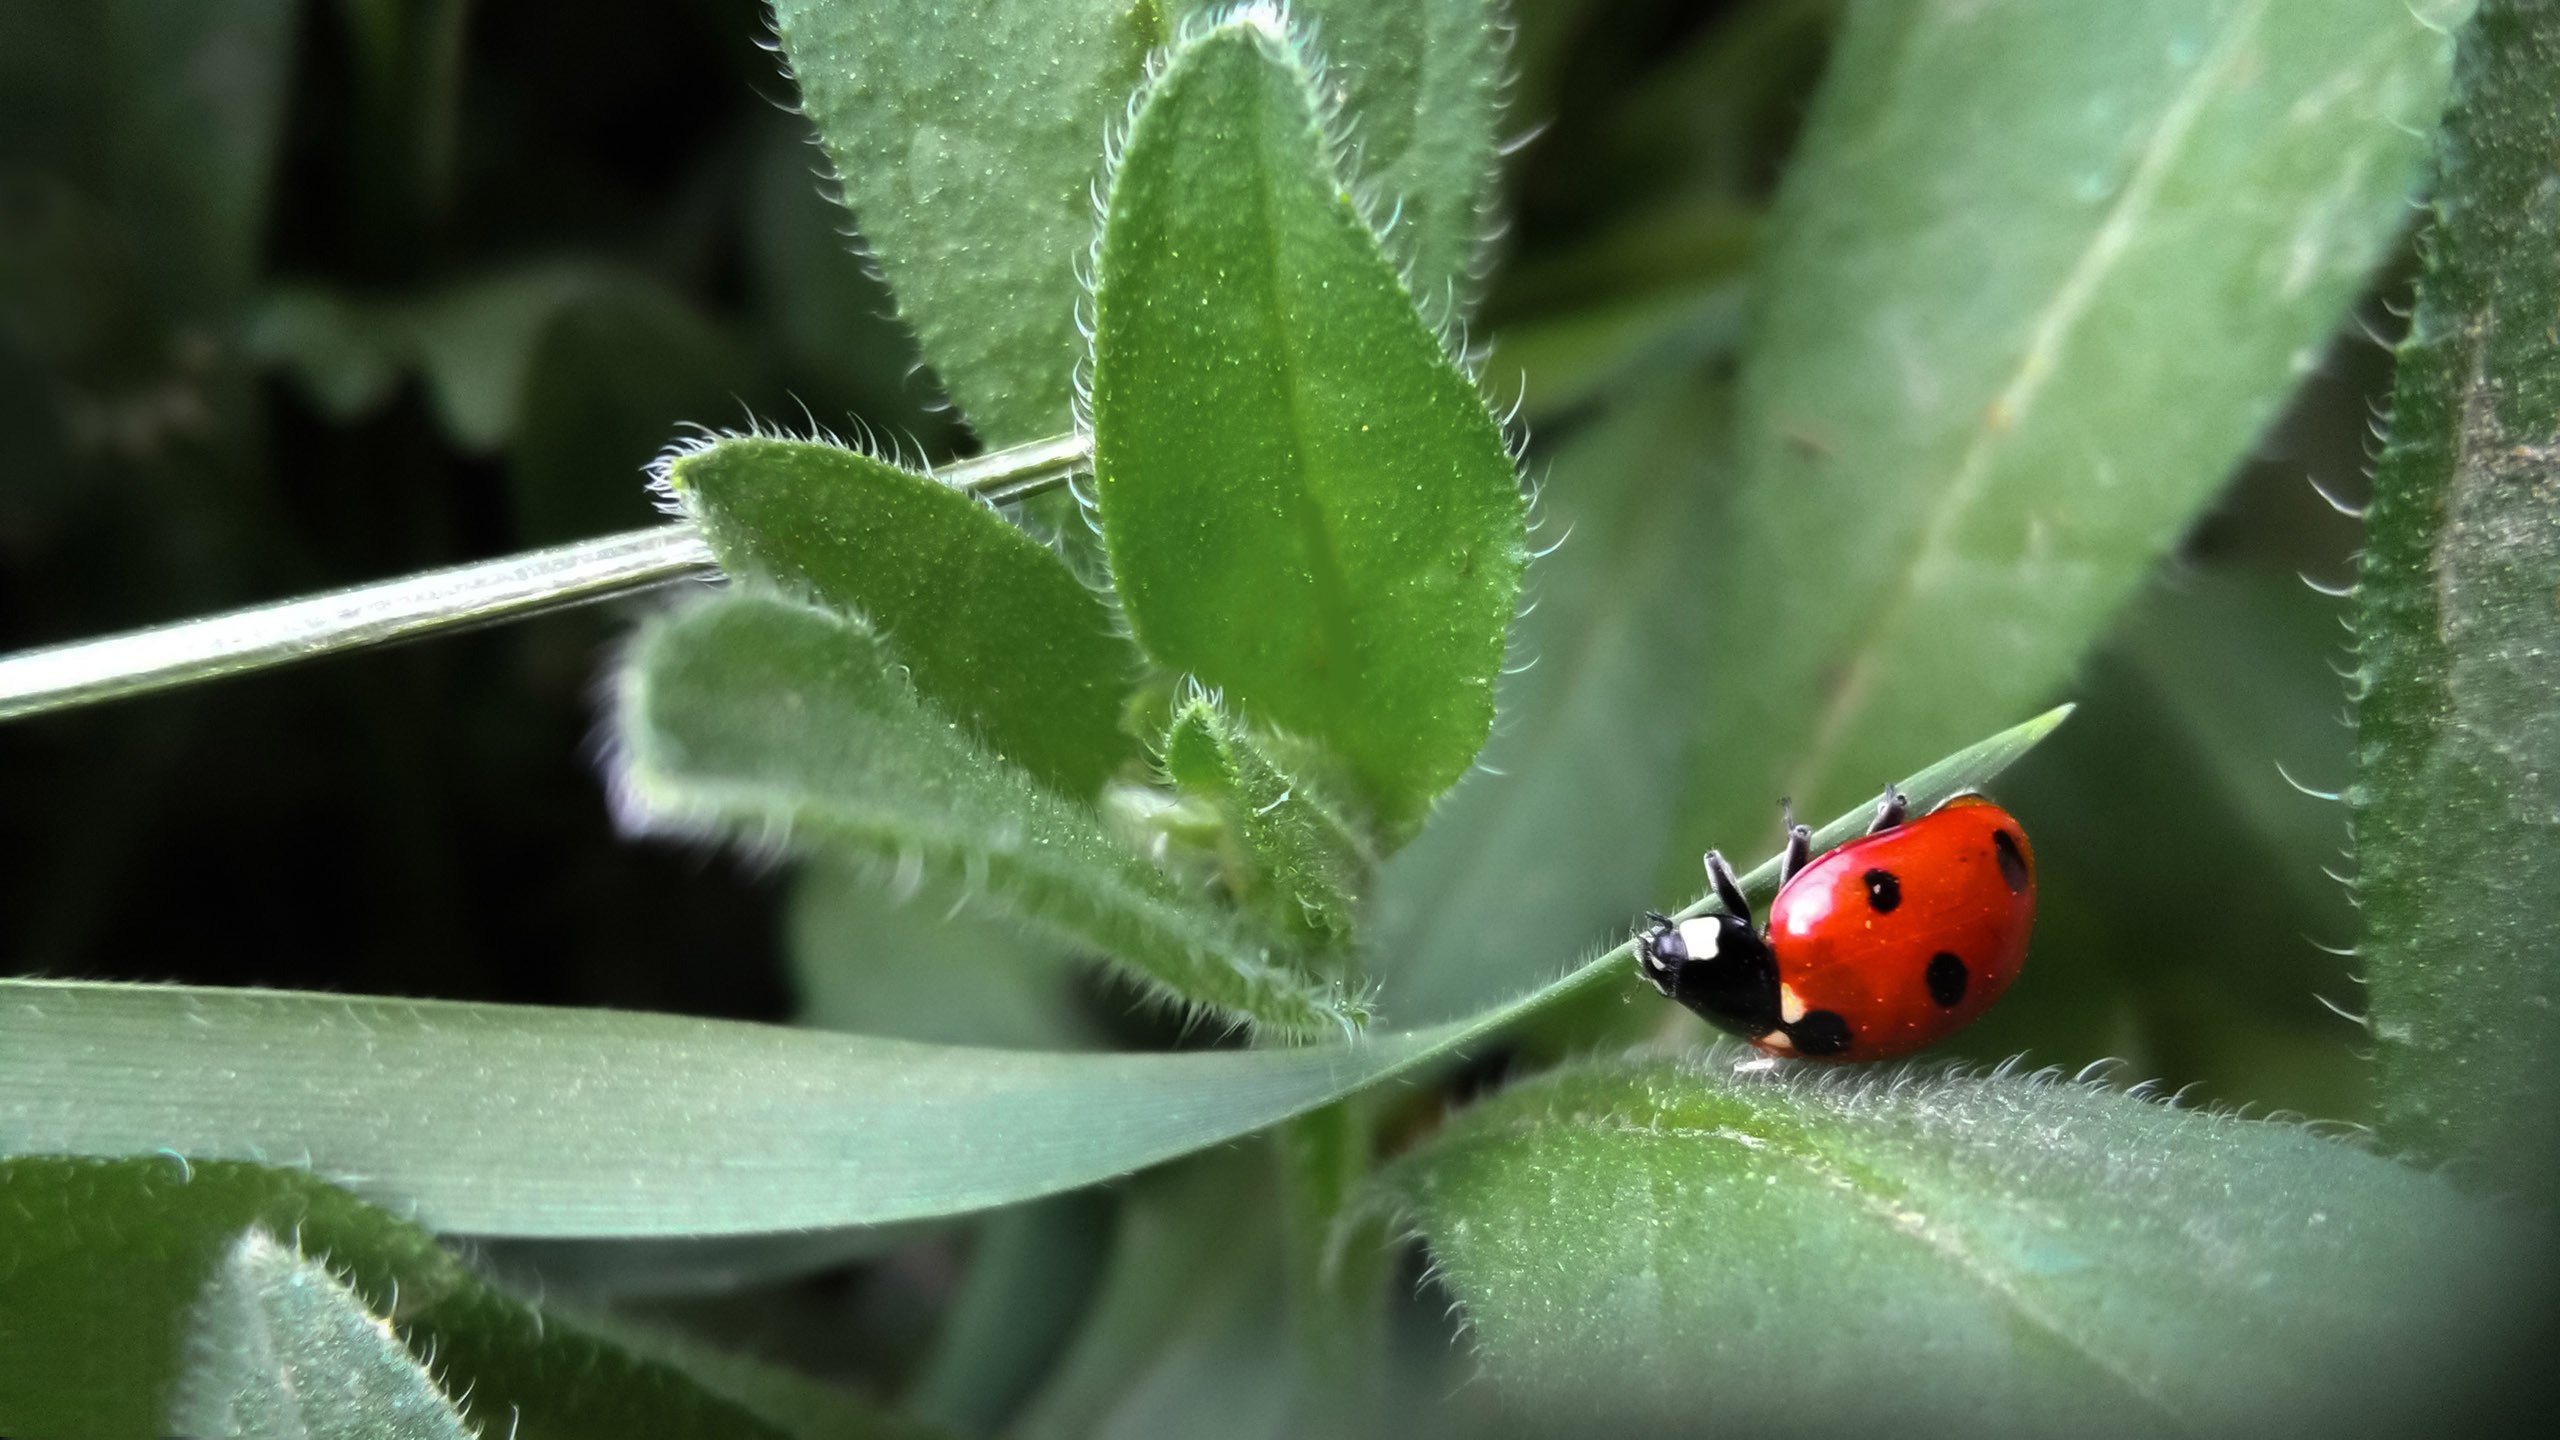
[462, 597]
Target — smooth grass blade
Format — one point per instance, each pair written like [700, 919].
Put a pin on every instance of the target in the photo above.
[463, 597]
[506, 1120]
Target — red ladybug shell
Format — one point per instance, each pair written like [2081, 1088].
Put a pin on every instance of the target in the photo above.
[1906, 935]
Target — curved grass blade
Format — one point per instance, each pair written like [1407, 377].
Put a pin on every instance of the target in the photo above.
[508, 1120]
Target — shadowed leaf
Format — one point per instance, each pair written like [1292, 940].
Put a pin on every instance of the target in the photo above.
[2014, 332]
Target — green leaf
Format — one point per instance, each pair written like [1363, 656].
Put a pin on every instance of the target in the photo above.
[663, 1125]
[1300, 861]
[968, 143]
[101, 1261]
[1305, 501]
[1692, 1244]
[2038, 278]
[1340, 1266]
[281, 1348]
[992, 626]
[2457, 801]
[1195, 1270]
[1032, 1275]
[1558, 844]
[754, 716]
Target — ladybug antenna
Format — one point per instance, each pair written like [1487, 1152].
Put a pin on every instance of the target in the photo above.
[1728, 889]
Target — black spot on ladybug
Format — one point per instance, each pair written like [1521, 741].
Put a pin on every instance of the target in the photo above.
[1820, 1032]
[1883, 891]
[2013, 861]
[1947, 977]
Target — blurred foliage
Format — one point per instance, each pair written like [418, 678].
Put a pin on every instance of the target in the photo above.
[299, 294]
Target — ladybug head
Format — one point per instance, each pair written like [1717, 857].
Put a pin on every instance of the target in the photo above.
[1717, 965]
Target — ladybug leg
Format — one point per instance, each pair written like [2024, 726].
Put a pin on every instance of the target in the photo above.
[1728, 889]
[1890, 811]
[1799, 844]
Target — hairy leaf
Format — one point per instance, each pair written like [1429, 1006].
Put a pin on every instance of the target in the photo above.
[101, 1261]
[968, 142]
[1671, 1246]
[1305, 501]
[279, 1347]
[2457, 800]
[2015, 330]
[991, 626]
[1299, 860]
[509, 1120]
[757, 717]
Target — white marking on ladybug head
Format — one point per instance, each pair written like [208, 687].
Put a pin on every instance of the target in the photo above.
[1701, 936]
[1790, 1004]
[1776, 1040]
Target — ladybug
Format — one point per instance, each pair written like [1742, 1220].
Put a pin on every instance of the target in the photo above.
[1877, 948]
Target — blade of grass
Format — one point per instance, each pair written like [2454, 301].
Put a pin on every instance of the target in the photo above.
[463, 597]
[506, 1120]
